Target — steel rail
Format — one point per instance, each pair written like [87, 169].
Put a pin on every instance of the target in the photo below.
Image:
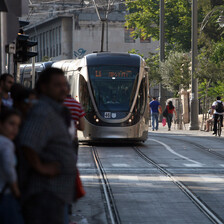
[111, 206]
[201, 205]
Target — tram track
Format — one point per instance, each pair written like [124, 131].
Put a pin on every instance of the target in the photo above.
[199, 146]
[113, 214]
[203, 207]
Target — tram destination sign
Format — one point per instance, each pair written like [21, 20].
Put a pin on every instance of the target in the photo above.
[114, 74]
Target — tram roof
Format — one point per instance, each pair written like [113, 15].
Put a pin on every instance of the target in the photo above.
[113, 59]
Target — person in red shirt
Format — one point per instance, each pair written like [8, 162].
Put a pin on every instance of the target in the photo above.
[171, 109]
[77, 112]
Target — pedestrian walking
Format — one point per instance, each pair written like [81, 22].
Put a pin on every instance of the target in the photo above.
[10, 211]
[48, 149]
[6, 82]
[77, 114]
[170, 110]
[217, 111]
[156, 109]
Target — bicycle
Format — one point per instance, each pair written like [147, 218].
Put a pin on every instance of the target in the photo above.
[219, 126]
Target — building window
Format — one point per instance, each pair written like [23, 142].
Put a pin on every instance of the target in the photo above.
[147, 40]
[47, 43]
[54, 40]
[41, 46]
[44, 39]
[127, 35]
[59, 40]
[51, 43]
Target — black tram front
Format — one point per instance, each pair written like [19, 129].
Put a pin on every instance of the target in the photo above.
[114, 95]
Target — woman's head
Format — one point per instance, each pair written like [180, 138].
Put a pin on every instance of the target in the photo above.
[10, 120]
[170, 104]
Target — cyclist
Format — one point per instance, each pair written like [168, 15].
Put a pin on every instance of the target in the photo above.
[217, 110]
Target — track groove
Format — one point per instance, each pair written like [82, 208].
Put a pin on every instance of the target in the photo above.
[111, 206]
[212, 216]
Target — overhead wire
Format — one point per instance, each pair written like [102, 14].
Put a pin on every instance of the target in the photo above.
[82, 8]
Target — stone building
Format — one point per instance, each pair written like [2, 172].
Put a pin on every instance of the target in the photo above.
[71, 29]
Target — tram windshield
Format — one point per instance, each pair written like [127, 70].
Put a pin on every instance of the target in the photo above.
[114, 87]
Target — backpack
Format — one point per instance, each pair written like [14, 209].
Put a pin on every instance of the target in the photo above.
[219, 107]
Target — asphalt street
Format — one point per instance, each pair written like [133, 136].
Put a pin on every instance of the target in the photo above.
[174, 177]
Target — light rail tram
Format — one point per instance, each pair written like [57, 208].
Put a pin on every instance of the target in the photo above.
[113, 90]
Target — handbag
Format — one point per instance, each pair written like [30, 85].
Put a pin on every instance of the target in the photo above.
[165, 113]
[164, 122]
[80, 192]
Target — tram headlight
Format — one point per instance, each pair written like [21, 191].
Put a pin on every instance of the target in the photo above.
[129, 120]
[97, 120]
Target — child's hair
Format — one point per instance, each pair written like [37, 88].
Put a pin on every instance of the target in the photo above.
[6, 113]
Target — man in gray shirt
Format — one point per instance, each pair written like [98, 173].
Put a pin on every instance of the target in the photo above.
[47, 147]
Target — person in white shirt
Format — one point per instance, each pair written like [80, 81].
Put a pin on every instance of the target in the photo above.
[217, 110]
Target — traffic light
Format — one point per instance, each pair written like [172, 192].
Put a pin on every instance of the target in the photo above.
[23, 45]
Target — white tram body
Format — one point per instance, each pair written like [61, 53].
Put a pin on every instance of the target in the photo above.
[113, 90]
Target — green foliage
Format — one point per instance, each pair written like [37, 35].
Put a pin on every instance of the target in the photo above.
[211, 90]
[175, 71]
[152, 61]
[218, 53]
[144, 17]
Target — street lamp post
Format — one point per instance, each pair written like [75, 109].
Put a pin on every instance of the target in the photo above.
[194, 82]
[162, 49]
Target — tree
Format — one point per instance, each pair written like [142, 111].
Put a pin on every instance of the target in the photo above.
[175, 71]
[144, 17]
[152, 62]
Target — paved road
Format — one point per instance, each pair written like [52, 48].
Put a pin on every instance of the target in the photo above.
[145, 193]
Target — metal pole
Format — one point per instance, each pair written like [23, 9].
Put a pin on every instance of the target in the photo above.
[162, 51]
[3, 34]
[194, 82]
[102, 35]
[33, 70]
[18, 78]
[107, 37]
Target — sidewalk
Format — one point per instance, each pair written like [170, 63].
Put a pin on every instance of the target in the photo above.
[185, 131]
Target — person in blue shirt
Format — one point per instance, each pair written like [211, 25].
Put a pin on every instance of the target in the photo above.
[155, 110]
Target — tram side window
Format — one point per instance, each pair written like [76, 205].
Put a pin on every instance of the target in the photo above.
[85, 99]
[141, 101]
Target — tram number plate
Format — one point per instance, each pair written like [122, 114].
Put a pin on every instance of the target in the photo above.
[107, 115]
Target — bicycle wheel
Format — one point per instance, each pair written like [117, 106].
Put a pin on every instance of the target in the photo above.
[219, 128]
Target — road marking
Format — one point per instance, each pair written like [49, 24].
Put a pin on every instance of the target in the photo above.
[222, 165]
[177, 154]
[131, 178]
[193, 165]
[84, 165]
[120, 165]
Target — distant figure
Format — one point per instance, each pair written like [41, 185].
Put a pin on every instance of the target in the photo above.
[217, 110]
[48, 150]
[77, 114]
[155, 110]
[209, 120]
[6, 82]
[171, 109]
[10, 211]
